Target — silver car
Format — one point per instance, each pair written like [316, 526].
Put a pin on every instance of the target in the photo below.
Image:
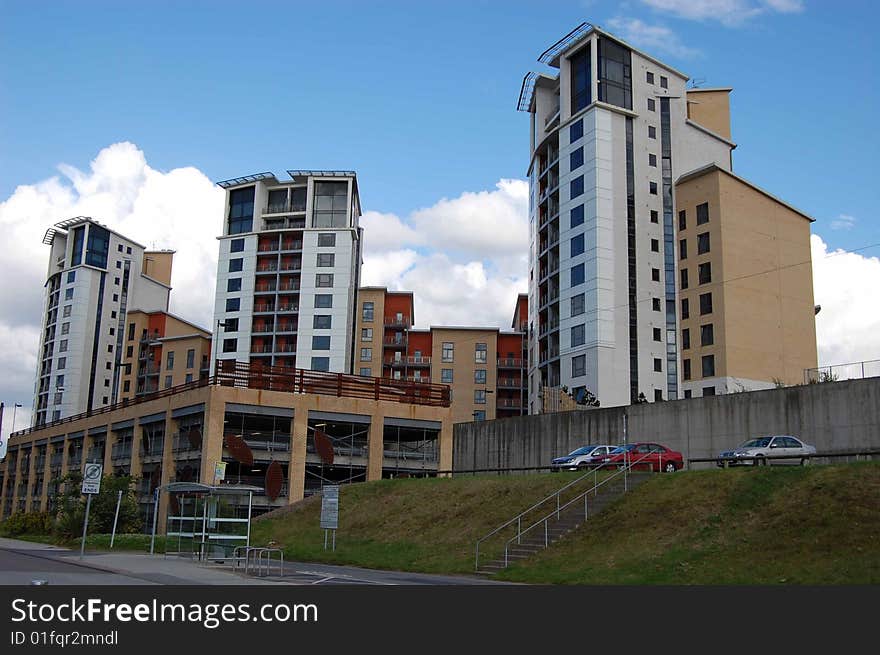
[773, 449]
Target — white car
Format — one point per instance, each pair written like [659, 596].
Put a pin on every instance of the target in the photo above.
[582, 458]
[774, 449]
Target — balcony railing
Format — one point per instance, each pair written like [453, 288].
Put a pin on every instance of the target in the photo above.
[393, 321]
[288, 287]
[267, 288]
[510, 403]
[264, 308]
[288, 307]
[510, 362]
[398, 342]
[285, 348]
[267, 268]
[286, 327]
[263, 329]
[285, 208]
[290, 266]
[510, 383]
[408, 361]
[292, 245]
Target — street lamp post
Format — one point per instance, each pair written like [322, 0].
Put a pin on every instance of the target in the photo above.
[14, 407]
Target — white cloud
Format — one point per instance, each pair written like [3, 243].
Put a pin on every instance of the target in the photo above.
[728, 12]
[654, 38]
[843, 222]
[387, 231]
[179, 209]
[845, 285]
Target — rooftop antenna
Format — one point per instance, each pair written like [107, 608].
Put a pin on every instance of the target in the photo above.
[695, 82]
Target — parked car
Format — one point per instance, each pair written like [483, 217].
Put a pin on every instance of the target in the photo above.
[643, 455]
[771, 449]
[582, 458]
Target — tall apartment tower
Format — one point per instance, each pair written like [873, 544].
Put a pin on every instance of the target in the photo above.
[288, 270]
[610, 133]
[95, 277]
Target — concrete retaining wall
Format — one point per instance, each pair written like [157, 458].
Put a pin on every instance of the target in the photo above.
[831, 416]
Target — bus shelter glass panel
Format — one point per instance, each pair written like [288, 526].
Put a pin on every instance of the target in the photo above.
[208, 525]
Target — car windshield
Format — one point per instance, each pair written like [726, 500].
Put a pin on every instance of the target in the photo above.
[760, 442]
[586, 450]
[623, 449]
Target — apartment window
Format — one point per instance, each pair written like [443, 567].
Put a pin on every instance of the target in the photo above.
[236, 245]
[655, 304]
[112, 331]
[323, 300]
[235, 264]
[578, 335]
[326, 239]
[366, 354]
[479, 396]
[578, 366]
[577, 275]
[62, 362]
[116, 281]
[190, 358]
[65, 328]
[682, 220]
[59, 381]
[685, 338]
[128, 250]
[113, 314]
[109, 366]
[708, 391]
[684, 278]
[708, 366]
[581, 79]
[655, 245]
[331, 204]
[577, 305]
[652, 132]
[707, 334]
[576, 216]
[233, 284]
[649, 76]
[320, 363]
[233, 304]
[652, 188]
[131, 331]
[575, 131]
[652, 159]
[65, 313]
[480, 353]
[576, 187]
[655, 274]
[115, 297]
[323, 280]
[682, 249]
[705, 273]
[129, 351]
[367, 314]
[448, 353]
[326, 259]
[126, 386]
[685, 308]
[479, 415]
[658, 365]
[576, 159]
[167, 381]
[652, 104]
[686, 369]
[110, 349]
[189, 378]
[230, 325]
[169, 362]
[655, 216]
[68, 294]
[366, 334]
[230, 345]
[702, 243]
[446, 375]
[658, 335]
[58, 398]
[703, 213]
[480, 376]
[241, 210]
[320, 343]
[577, 245]
[658, 395]
[322, 321]
[71, 276]
[366, 372]
[664, 82]
[62, 346]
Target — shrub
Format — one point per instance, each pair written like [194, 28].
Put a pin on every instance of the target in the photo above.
[27, 523]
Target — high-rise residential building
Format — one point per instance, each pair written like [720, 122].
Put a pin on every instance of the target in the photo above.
[162, 351]
[484, 366]
[288, 270]
[611, 131]
[95, 276]
[746, 296]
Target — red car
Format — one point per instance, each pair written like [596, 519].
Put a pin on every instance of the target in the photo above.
[646, 456]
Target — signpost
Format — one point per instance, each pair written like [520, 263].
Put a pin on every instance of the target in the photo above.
[91, 484]
[330, 511]
[219, 472]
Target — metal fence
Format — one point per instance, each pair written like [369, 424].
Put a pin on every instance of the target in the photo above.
[837, 372]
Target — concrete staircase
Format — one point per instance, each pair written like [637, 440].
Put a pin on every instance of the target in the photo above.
[569, 519]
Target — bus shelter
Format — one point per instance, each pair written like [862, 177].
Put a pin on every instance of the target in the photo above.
[205, 522]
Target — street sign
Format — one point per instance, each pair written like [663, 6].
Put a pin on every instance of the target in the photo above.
[91, 483]
[330, 507]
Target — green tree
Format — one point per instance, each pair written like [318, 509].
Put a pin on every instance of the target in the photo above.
[71, 507]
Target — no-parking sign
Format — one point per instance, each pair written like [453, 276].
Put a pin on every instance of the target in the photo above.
[92, 478]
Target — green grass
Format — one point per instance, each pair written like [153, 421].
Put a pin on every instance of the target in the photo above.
[812, 525]
[122, 542]
[427, 525]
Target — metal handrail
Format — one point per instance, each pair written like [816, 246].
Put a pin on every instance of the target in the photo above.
[559, 509]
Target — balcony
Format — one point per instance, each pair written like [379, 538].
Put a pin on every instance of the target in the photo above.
[286, 327]
[285, 208]
[267, 267]
[285, 348]
[509, 403]
[402, 322]
[149, 369]
[510, 362]
[291, 286]
[287, 267]
[291, 245]
[265, 288]
[263, 308]
[394, 342]
[261, 348]
[288, 307]
[265, 328]
[510, 383]
[408, 361]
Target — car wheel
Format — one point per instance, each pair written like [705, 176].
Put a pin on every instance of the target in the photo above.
[805, 461]
[759, 461]
[583, 467]
[669, 467]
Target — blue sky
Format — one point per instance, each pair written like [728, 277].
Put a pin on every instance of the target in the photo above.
[419, 98]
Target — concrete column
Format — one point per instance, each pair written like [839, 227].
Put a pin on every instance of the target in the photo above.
[108, 450]
[167, 466]
[44, 496]
[376, 445]
[296, 472]
[212, 434]
[32, 465]
[3, 488]
[446, 445]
